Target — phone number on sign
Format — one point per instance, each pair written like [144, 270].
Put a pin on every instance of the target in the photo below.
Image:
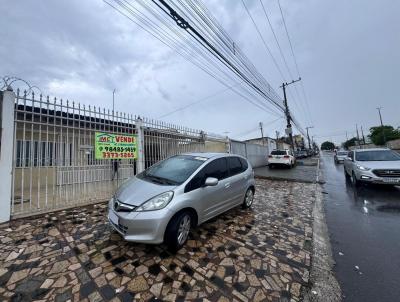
[118, 155]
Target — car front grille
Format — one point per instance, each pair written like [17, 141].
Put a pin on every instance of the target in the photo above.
[387, 172]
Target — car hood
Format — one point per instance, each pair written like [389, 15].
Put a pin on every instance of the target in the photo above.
[136, 191]
[380, 164]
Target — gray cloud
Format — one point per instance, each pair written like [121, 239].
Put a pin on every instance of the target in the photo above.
[348, 54]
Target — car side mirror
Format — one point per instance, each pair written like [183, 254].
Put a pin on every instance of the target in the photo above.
[211, 182]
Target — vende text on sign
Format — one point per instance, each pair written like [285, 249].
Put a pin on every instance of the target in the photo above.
[115, 146]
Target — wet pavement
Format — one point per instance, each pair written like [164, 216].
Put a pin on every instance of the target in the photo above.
[364, 228]
[262, 254]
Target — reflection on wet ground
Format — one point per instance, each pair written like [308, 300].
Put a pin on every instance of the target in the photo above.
[369, 198]
[262, 254]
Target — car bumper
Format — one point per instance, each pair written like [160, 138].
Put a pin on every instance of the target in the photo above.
[369, 177]
[279, 162]
[143, 227]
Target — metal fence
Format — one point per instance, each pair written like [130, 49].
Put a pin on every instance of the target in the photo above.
[54, 165]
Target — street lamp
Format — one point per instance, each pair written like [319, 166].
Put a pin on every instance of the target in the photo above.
[308, 136]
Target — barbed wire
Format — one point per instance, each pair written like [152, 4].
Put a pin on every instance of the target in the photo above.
[8, 81]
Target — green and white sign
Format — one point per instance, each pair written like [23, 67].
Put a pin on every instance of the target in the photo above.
[115, 146]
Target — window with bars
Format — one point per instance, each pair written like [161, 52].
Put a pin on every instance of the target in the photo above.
[35, 154]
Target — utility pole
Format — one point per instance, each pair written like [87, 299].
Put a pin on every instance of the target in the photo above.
[347, 138]
[308, 136]
[383, 130]
[287, 112]
[262, 133]
[358, 135]
[277, 139]
[362, 133]
[113, 99]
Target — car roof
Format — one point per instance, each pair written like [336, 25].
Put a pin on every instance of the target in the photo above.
[211, 154]
[372, 149]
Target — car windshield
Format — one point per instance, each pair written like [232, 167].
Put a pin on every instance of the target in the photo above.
[342, 153]
[174, 170]
[384, 155]
[278, 152]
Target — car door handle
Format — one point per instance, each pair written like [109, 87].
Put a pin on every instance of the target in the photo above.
[227, 185]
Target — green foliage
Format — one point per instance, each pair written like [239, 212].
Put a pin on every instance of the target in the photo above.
[349, 143]
[379, 134]
[328, 146]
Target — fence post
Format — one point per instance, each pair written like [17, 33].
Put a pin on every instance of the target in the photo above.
[6, 152]
[228, 145]
[140, 145]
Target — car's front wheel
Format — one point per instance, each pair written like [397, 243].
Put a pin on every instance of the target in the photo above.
[354, 180]
[248, 199]
[177, 231]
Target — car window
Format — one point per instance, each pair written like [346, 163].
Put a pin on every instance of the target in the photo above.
[342, 153]
[382, 155]
[278, 152]
[218, 168]
[244, 163]
[235, 166]
[172, 171]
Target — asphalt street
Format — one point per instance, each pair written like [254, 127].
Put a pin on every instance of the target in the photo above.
[364, 229]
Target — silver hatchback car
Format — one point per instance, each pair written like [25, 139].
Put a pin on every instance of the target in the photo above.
[165, 201]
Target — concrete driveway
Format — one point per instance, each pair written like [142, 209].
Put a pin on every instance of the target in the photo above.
[262, 254]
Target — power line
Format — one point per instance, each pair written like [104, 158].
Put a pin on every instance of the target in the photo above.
[206, 45]
[196, 102]
[264, 43]
[180, 48]
[294, 58]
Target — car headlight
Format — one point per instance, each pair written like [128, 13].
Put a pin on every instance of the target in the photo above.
[359, 167]
[156, 203]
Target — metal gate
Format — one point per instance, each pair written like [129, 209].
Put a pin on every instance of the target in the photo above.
[54, 166]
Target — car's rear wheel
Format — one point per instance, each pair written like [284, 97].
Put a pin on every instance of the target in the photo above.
[248, 199]
[177, 231]
[270, 166]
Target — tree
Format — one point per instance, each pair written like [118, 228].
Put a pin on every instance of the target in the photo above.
[327, 146]
[377, 134]
[350, 143]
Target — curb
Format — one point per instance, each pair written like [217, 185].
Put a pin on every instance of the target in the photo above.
[284, 179]
[324, 286]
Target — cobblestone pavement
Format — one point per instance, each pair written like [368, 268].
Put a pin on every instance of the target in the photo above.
[262, 254]
[303, 172]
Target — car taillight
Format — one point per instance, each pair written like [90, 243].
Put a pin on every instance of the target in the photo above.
[286, 156]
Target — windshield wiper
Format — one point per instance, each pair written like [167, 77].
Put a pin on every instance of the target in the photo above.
[161, 180]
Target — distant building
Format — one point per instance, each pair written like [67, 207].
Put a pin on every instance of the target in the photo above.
[264, 141]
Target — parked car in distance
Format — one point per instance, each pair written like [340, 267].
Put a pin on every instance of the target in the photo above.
[379, 166]
[340, 156]
[281, 158]
[301, 154]
[165, 201]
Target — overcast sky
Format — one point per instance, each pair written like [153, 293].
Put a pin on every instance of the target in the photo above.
[348, 54]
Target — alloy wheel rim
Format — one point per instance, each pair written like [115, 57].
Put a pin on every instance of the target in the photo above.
[184, 228]
[249, 198]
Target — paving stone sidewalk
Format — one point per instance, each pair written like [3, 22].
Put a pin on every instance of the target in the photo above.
[262, 254]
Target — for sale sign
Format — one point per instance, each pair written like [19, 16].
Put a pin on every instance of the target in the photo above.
[115, 146]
